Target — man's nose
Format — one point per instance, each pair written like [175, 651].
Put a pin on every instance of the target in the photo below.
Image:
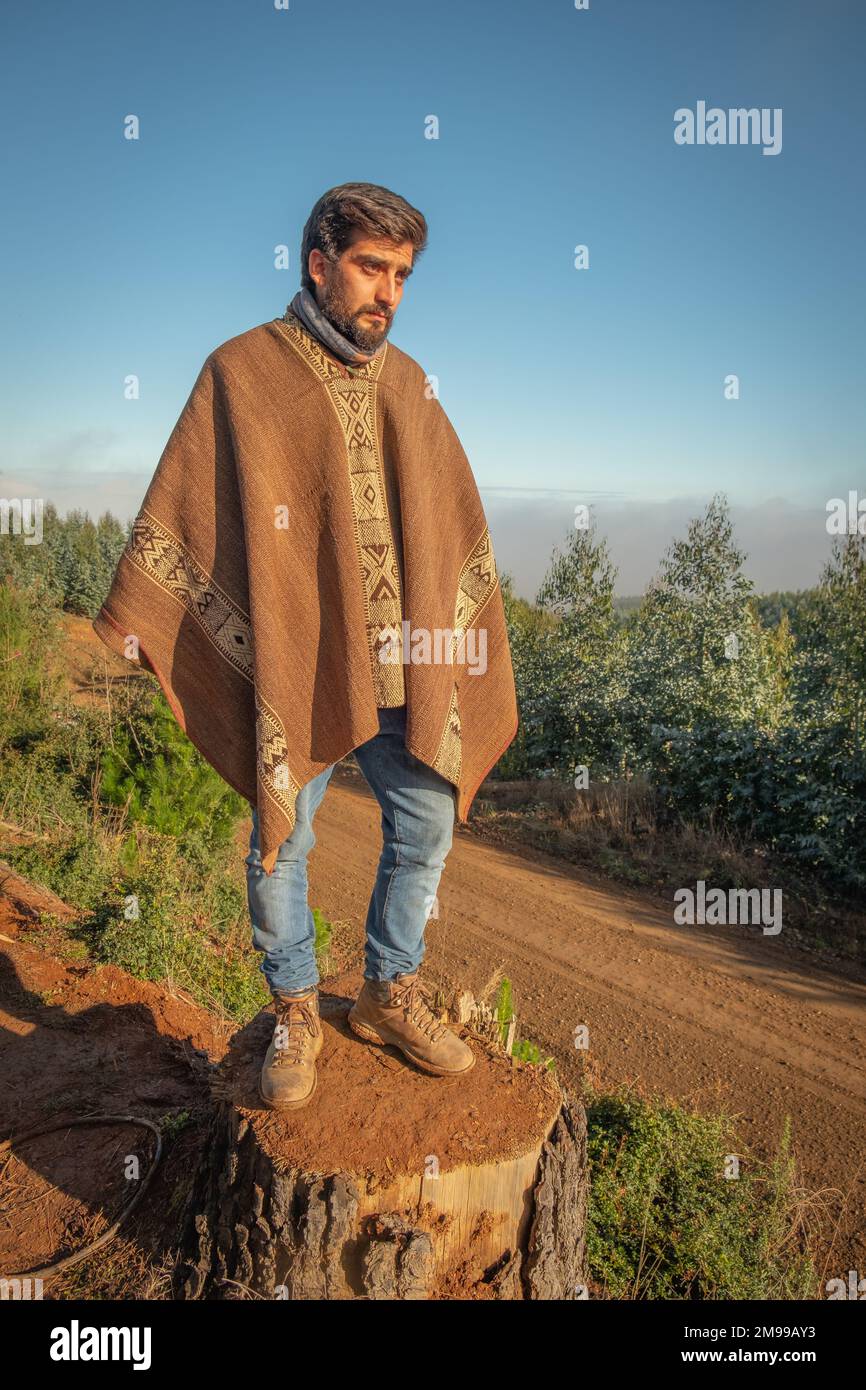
[386, 291]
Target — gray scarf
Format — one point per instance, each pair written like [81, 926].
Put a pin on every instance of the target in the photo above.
[304, 307]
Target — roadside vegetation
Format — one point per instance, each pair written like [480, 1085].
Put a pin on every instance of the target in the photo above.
[644, 751]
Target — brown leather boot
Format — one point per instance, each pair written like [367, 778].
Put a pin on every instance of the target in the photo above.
[395, 1011]
[288, 1076]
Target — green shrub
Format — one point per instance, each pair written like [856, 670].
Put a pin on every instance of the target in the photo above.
[665, 1223]
[155, 772]
[159, 925]
[522, 1049]
[504, 1007]
[30, 633]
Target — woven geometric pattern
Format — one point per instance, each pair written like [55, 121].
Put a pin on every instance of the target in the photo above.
[314, 354]
[272, 761]
[165, 560]
[477, 582]
[449, 755]
[352, 391]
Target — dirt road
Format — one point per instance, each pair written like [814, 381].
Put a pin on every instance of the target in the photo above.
[723, 1018]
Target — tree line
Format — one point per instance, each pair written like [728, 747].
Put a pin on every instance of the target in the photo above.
[739, 709]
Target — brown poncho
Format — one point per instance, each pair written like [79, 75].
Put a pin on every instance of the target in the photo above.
[266, 574]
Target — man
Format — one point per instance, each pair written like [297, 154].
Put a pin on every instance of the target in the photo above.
[309, 567]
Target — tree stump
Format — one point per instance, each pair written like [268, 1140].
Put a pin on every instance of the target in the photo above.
[390, 1183]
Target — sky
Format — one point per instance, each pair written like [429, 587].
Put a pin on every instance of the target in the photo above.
[602, 386]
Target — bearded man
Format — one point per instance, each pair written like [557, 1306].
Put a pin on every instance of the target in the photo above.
[312, 532]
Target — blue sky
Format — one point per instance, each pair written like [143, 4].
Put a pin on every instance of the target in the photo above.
[555, 128]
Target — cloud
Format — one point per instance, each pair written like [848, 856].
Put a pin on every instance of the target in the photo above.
[786, 545]
[79, 448]
[93, 470]
[119, 493]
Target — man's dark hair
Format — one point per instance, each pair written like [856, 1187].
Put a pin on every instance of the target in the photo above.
[366, 207]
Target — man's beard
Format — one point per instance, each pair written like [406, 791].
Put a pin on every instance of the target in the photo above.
[335, 308]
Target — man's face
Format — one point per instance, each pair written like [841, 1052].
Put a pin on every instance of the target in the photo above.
[360, 293]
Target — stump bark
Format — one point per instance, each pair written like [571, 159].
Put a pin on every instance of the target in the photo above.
[390, 1183]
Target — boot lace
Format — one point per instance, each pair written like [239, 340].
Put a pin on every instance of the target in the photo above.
[299, 1020]
[412, 1000]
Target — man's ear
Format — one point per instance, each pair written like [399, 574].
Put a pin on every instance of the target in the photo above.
[316, 266]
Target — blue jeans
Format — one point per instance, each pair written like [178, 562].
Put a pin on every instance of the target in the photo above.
[418, 808]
